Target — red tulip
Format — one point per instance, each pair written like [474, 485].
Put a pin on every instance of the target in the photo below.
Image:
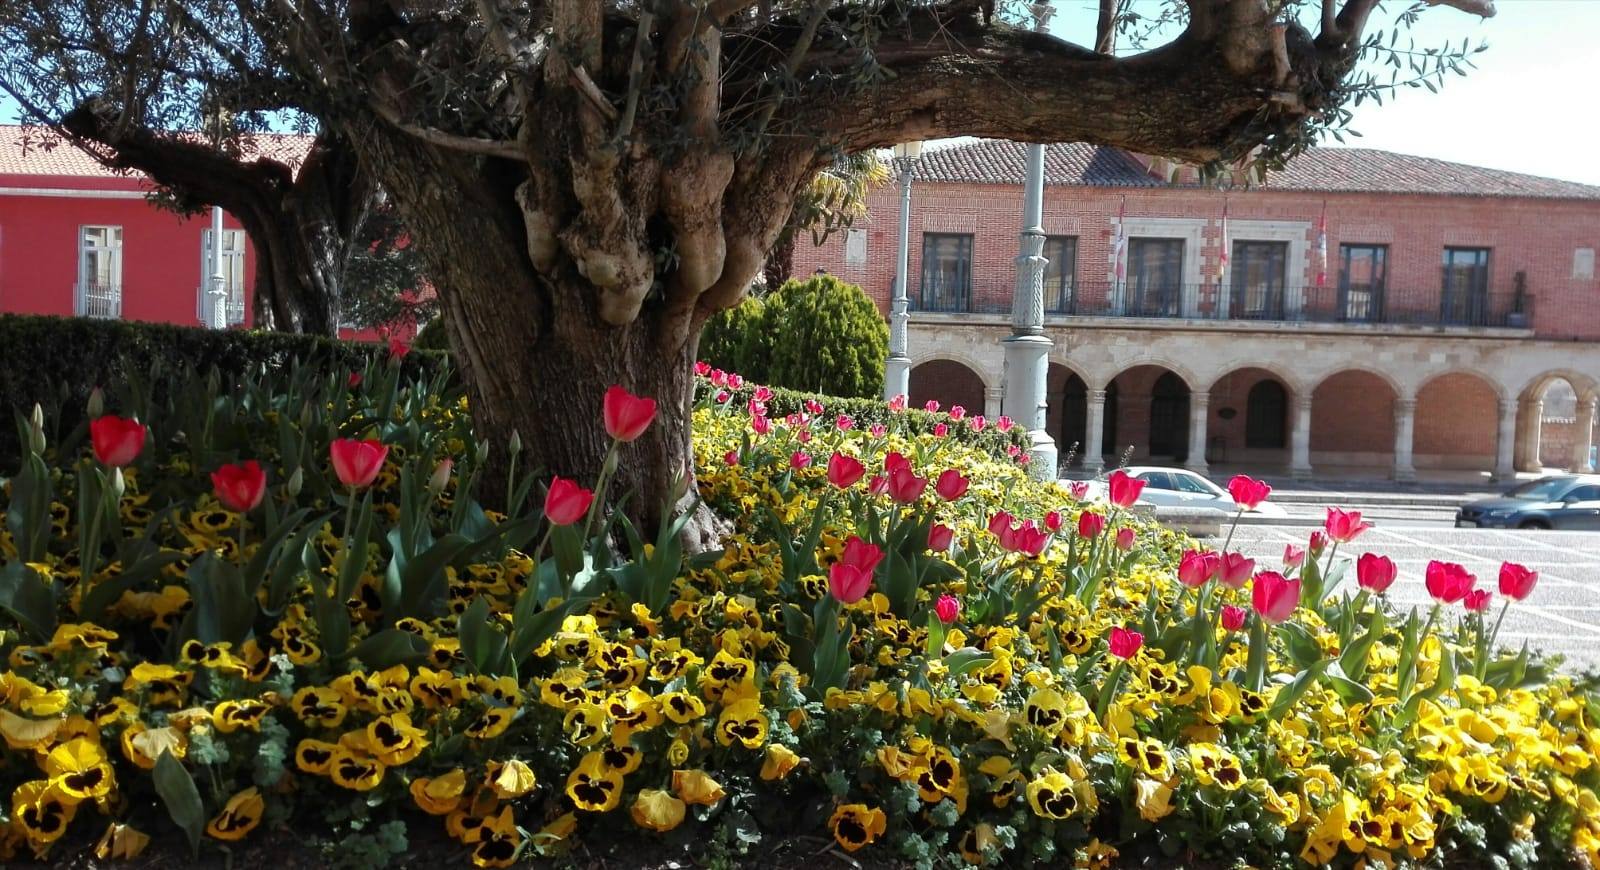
[1232, 617]
[1090, 524]
[566, 502]
[116, 440]
[951, 485]
[763, 394]
[1003, 423]
[844, 471]
[1233, 569]
[1247, 492]
[354, 380]
[957, 412]
[760, 425]
[931, 406]
[898, 403]
[398, 349]
[1476, 601]
[940, 430]
[905, 486]
[844, 423]
[1195, 567]
[851, 577]
[1318, 543]
[1125, 537]
[730, 458]
[895, 460]
[357, 463]
[999, 522]
[1293, 556]
[948, 609]
[626, 415]
[1274, 596]
[1124, 490]
[239, 487]
[1516, 581]
[1052, 521]
[813, 407]
[939, 537]
[1448, 582]
[799, 459]
[702, 368]
[1124, 643]
[1374, 572]
[1079, 489]
[1029, 539]
[1344, 526]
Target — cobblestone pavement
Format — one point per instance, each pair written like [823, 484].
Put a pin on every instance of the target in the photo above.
[1562, 616]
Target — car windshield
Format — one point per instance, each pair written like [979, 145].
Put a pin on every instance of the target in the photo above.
[1540, 490]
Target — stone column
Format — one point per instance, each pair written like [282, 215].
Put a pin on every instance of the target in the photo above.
[991, 402]
[1585, 436]
[1505, 451]
[1300, 438]
[1199, 417]
[1094, 431]
[1532, 423]
[1405, 414]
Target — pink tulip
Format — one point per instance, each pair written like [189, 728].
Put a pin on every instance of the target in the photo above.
[735, 381]
[898, 403]
[239, 487]
[1003, 423]
[1124, 490]
[1247, 492]
[1052, 521]
[357, 463]
[1232, 617]
[1375, 573]
[731, 457]
[718, 377]
[1516, 581]
[1318, 543]
[844, 471]
[799, 459]
[1293, 556]
[951, 485]
[957, 412]
[762, 394]
[626, 415]
[931, 406]
[1125, 644]
[977, 423]
[999, 522]
[878, 485]
[844, 423]
[116, 441]
[813, 407]
[851, 577]
[1476, 600]
[1274, 596]
[1090, 524]
[1079, 489]
[702, 368]
[948, 609]
[1344, 526]
[1233, 569]
[939, 537]
[878, 430]
[1195, 567]
[566, 502]
[760, 425]
[1448, 582]
[940, 430]
[1125, 538]
[905, 486]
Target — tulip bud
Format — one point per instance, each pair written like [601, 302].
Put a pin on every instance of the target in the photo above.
[441, 476]
[307, 415]
[214, 382]
[36, 441]
[483, 449]
[97, 402]
[515, 444]
[117, 488]
[296, 480]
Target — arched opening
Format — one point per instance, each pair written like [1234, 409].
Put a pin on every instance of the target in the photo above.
[949, 383]
[1249, 423]
[1147, 409]
[1352, 422]
[1457, 423]
[1557, 425]
[1068, 416]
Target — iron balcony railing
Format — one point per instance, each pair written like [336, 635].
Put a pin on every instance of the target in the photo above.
[99, 300]
[233, 307]
[1213, 302]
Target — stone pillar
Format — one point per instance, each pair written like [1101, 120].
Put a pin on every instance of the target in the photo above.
[1300, 438]
[1505, 449]
[1405, 414]
[1199, 418]
[1094, 431]
[1585, 436]
[991, 402]
[1532, 423]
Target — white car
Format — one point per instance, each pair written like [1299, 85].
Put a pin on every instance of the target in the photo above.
[1180, 487]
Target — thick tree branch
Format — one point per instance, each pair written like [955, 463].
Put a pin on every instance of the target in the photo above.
[1105, 28]
[469, 144]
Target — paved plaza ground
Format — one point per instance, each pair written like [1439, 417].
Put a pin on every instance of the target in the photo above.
[1563, 615]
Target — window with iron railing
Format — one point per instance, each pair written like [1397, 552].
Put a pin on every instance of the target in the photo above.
[1464, 296]
[1155, 277]
[1258, 280]
[99, 290]
[1363, 272]
[946, 272]
[1060, 273]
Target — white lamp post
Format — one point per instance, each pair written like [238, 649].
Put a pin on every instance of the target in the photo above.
[897, 371]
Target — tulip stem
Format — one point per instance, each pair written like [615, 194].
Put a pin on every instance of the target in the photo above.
[1494, 638]
[1231, 529]
[1109, 690]
[349, 522]
[607, 467]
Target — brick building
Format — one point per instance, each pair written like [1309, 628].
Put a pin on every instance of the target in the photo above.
[1451, 299]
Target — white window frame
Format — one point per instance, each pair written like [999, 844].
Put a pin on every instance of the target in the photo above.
[234, 243]
[92, 299]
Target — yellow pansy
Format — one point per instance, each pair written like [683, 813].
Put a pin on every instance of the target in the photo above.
[657, 810]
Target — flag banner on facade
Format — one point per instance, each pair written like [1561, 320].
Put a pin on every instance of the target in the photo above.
[1222, 258]
[1322, 247]
[1119, 244]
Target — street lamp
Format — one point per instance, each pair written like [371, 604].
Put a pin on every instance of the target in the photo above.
[1027, 349]
[897, 371]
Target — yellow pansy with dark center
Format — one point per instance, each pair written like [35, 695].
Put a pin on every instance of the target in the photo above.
[565, 688]
[1046, 709]
[437, 689]
[41, 811]
[211, 522]
[1162, 679]
[491, 723]
[585, 724]
[856, 825]
[301, 651]
[111, 712]
[813, 586]
[743, 722]
[682, 707]
[78, 769]
[314, 756]
[238, 817]
[1146, 755]
[723, 673]
[446, 652]
[394, 740]
[1051, 795]
[622, 759]
[669, 664]
[319, 706]
[356, 772]
[230, 716]
[633, 710]
[500, 690]
[593, 787]
[1251, 704]
[573, 647]
[975, 841]
[939, 776]
[497, 840]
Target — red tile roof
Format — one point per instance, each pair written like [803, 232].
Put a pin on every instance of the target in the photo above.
[29, 151]
[1349, 170]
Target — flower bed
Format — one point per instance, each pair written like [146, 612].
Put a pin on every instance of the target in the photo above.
[906, 644]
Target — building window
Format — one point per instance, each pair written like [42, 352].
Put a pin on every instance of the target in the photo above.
[1155, 277]
[232, 277]
[855, 247]
[946, 272]
[1465, 296]
[99, 291]
[1059, 272]
[1363, 270]
[1258, 279]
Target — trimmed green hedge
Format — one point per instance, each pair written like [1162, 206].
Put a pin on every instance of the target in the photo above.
[57, 361]
[821, 334]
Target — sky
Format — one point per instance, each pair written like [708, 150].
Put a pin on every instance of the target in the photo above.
[1529, 107]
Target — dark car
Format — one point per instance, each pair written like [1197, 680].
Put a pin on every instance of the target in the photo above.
[1566, 502]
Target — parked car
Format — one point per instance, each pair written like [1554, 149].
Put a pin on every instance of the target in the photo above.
[1568, 501]
[1180, 487]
